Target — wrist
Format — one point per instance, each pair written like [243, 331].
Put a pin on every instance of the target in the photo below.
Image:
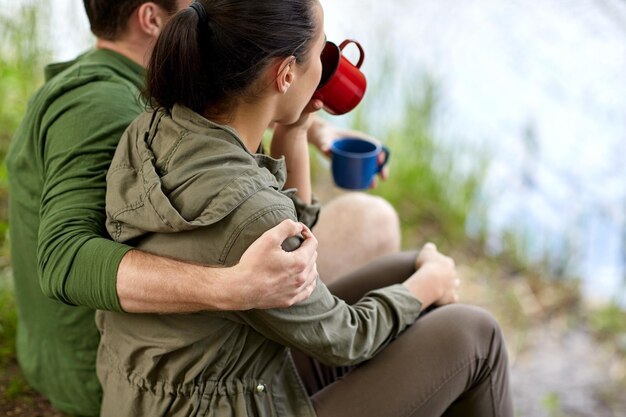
[291, 145]
[422, 289]
[215, 292]
[289, 133]
[232, 287]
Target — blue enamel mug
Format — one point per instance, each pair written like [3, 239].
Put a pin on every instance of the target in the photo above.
[355, 162]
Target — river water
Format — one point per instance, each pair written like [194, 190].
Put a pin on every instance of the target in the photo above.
[540, 86]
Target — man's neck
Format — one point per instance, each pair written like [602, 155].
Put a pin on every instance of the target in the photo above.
[136, 51]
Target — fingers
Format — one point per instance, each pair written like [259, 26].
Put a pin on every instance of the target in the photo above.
[450, 295]
[309, 275]
[381, 158]
[304, 266]
[287, 228]
[429, 252]
[453, 296]
[313, 106]
[306, 232]
[306, 281]
[384, 173]
[445, 267]
[304, 294]
[426, 253]
[430, 246]
[308, 248]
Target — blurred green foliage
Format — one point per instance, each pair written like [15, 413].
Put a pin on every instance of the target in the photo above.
[8, 320]
[610, 320]
[437, 199]
[22, 57]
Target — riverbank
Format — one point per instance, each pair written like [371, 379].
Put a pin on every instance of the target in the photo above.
[567, 354]
[567, 357]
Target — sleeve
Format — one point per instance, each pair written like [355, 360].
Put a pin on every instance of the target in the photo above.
[324, 326]
[307, 213]
[77, 262]
[335, 333]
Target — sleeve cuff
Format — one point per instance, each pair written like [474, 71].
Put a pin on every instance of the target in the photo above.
[94, 283]
[405, 304]
[307, 213]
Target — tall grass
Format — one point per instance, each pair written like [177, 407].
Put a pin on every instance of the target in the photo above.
[22, 56]
[8, 320]
[437, 199]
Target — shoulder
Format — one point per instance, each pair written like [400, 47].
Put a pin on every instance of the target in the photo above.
[96, 98]
[97, 112]
[90, 93]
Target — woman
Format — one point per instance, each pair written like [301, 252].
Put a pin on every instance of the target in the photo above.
[186, 182]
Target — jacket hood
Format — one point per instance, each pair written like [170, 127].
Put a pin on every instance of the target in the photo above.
[178, 171]
[90, 65]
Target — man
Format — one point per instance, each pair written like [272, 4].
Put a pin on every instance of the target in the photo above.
[65, 267]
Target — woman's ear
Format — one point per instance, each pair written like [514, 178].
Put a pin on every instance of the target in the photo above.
[151, 18]
[285, 74]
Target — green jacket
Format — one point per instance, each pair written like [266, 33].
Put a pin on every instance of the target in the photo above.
[184, 187]
[57, 165]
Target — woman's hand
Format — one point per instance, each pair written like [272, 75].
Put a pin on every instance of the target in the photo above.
[322, 134]
[306, 118]
[436, 280]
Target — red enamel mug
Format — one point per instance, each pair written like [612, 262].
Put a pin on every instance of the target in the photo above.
[343, 84]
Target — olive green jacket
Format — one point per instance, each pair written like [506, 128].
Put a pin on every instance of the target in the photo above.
[184, 187]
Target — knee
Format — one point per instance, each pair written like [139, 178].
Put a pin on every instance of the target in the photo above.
[472, 327]
[382, 210]
[378, 215]
[385, 221]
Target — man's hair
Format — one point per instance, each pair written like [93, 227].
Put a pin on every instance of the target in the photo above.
[109, 18]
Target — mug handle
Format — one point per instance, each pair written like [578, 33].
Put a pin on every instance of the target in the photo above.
[358, 45]
[387, 155]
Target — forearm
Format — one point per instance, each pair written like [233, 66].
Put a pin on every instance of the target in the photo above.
[148, 283]
[292, 144]
[265, 277]
[335, 333]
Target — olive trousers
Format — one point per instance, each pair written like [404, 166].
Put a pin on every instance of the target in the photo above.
[451, 362]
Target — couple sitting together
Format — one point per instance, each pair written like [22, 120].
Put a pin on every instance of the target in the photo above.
[258, 333]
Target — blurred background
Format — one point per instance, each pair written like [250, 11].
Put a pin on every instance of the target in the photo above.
[507, 124]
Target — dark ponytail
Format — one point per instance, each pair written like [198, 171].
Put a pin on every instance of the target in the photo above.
[176, 65]
[210, 63]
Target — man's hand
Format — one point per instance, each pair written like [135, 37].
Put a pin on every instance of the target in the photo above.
[265, 277]
[269, 277]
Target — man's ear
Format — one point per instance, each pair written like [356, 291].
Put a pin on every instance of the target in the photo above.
[285, 74]
[151, 18]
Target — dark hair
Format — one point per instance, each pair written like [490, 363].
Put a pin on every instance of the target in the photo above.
[108, 18]
[211, 63]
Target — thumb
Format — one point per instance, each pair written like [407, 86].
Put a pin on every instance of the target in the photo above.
[430, 247]
[425, 253]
